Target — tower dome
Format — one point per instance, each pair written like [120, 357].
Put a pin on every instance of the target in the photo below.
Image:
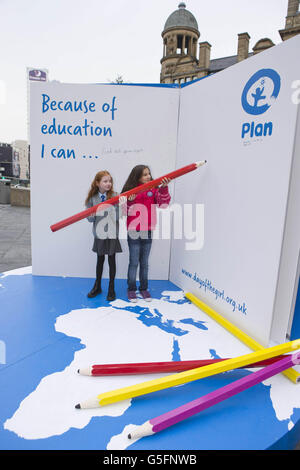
[181, 18]
[180, 36]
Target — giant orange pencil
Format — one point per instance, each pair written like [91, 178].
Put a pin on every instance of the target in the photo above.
[114, 200]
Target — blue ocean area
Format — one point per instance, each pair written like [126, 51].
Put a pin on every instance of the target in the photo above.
[29, 308]
[196, 324]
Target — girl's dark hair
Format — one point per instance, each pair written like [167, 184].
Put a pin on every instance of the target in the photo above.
[133, 179]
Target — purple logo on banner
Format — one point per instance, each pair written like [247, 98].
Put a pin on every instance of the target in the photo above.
[37, 75]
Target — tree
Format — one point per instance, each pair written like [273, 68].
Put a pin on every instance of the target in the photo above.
[118, 80]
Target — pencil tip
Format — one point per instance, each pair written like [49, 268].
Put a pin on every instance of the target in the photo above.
[129, 436]
[78, 406]
[78, 370]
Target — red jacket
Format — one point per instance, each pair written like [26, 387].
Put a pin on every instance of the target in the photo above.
[141, 212]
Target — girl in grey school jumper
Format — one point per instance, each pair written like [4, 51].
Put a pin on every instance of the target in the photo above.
[105, 231]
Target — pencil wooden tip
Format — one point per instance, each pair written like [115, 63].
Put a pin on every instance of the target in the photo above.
[202, 162]
[141, 431]
[85, 371]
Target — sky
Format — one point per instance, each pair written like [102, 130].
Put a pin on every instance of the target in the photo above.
[94, 41]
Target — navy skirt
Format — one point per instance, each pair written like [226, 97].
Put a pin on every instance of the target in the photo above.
[107, 246]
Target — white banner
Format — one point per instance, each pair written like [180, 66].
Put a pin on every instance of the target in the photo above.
[242, 120]
[76, 131]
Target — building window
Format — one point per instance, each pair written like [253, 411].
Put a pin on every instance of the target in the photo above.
[187, 46]
[179, 44]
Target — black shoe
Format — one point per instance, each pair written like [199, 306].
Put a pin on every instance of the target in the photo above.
[111, 295]
[95, 290]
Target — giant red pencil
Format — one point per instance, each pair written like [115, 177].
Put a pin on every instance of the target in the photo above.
[114, 200]
[159, 367]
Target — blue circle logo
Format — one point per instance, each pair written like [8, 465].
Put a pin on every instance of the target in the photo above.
[149, 193]
[261, 91]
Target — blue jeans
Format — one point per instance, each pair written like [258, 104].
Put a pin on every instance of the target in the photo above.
[139, 250]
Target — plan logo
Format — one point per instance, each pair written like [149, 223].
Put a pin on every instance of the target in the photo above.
[259, 94]
[261, 91]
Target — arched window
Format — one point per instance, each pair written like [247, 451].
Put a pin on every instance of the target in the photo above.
[165, 48]
[179, 44]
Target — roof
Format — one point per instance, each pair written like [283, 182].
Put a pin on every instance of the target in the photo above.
[220, 64]
[182, 18]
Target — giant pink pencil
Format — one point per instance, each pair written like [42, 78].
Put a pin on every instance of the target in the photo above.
[114, 200]
[189, 409]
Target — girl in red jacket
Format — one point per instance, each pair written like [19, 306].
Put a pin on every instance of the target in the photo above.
[141, 221]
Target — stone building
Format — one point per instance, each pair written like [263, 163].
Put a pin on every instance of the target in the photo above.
[292, 23]
[181, 61]
[21, 159]
[6, 165]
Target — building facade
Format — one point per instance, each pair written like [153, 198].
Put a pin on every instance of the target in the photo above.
[292, 22]
[14, 160]
[182, 62]
[21, 159]
[6, 160]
